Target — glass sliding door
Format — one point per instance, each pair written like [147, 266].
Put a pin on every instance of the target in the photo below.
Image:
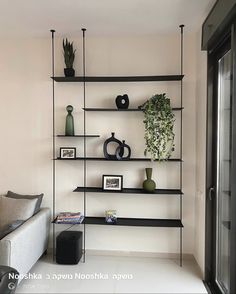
[220, 245]
[223, 173]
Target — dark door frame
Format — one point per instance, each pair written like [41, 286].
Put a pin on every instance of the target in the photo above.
[233, 167]
[220, 46]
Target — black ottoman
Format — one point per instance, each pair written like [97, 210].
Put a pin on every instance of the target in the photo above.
[8, 279]
[69, 247]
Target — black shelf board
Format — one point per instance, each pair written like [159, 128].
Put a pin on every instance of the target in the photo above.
[124, 110]
[130, 222]
[104, 159]
[120, 78]
[129, 191]
[136, 222]
[79, 136]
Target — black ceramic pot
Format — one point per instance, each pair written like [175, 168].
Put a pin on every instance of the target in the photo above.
[122, 102]
[69, 72]
[122, 147]
[112, 139]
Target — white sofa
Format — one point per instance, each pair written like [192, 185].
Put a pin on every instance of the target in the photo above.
[24, 246]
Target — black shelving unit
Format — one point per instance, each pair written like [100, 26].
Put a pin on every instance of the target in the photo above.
[129, 191]
[142, 222]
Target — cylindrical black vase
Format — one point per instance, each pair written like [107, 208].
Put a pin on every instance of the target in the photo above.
[112, 139]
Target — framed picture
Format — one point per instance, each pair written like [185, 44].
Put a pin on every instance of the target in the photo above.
[112, 182]
[67, 152]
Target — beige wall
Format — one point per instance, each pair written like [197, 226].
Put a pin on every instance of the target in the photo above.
[26, 120]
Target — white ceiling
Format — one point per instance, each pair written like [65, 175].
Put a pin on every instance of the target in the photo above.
[109, 17]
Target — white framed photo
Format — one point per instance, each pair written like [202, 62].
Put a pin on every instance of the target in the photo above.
[67, 152]
[112, 182]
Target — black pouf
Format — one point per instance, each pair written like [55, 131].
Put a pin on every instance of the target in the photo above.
[69, 247]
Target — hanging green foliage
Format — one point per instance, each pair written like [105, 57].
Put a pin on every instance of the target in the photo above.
[159, 124]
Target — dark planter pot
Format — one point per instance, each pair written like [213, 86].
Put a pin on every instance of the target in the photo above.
[69, 72]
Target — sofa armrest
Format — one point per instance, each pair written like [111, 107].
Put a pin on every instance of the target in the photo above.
[23, 247]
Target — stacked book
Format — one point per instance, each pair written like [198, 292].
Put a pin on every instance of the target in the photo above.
[69, 218]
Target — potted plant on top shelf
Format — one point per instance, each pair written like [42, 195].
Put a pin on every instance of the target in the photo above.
[69, 57]
[159, 124]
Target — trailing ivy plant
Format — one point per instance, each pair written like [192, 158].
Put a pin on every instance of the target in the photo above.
[159, 123]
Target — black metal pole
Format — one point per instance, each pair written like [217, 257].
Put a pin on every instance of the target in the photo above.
[53, 144]
[181, 139]
[85, 153]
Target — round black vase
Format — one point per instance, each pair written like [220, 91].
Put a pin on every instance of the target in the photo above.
[122, 102]
[122, 147]
[69, 72]
[112, 139]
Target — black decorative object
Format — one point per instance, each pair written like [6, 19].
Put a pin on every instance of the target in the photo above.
[122, 148]
[122, 102]
[112, 139]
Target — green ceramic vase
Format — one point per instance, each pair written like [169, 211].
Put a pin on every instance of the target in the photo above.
[69, 130]
[149, 185]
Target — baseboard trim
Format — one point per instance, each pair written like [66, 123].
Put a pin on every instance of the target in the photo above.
[123, 253]
[186, 256]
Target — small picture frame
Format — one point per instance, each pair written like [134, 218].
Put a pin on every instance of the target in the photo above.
[112, 182]
[67, 152]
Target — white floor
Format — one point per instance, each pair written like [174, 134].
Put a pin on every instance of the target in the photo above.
[106, 274]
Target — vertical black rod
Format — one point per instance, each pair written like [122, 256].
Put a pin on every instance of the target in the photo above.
[181, 138]
[53, 145]
[85, 153]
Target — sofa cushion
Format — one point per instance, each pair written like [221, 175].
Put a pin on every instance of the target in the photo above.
[19, 196]
[15, 209]
[7, 229]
